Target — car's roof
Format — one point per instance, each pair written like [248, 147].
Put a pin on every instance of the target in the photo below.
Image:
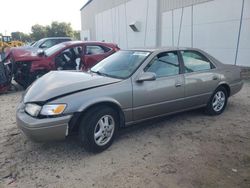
[57, 38]
[164, 49]
[69, 43]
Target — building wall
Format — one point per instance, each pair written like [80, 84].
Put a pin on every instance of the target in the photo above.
[212, 25]
[97, 6]
[113, 24]
[89, 12]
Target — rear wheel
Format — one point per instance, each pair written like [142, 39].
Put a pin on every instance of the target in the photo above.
[98, 128]
[217, 102]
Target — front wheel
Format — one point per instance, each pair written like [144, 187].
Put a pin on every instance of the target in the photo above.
[98, 128]
[217, 102]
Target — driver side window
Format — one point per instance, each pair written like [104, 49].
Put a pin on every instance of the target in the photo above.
[70, 59]
[164, 64]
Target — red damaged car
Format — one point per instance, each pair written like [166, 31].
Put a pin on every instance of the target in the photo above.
[72, 55]
[5, 77]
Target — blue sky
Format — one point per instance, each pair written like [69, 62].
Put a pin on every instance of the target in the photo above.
[20, 15]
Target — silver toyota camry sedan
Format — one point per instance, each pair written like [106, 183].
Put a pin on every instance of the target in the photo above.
[126, 88]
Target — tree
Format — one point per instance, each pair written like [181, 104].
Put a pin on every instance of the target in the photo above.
[76, 35]
[38, 32]
[20, 36]
[60, 29]
[55, 29]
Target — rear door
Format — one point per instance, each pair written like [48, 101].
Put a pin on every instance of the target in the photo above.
[201, 78]
[94, 54]
[163, 95]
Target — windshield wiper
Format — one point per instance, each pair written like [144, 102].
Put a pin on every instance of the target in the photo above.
[104, 74]
[99, 73]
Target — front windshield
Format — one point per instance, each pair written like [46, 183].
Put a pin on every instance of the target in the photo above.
[33, 44]
[54, 49]
[122, 64]
[38, 43]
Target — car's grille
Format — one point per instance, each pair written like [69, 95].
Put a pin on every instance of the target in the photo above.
[3, 77]
[21, 68]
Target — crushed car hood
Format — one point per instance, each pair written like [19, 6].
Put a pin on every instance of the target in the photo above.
[25, 54]
[60, 83]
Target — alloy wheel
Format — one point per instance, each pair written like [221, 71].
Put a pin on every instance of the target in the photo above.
[104, 130]
[219, 101]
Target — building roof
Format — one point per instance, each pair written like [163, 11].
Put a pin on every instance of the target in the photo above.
[89, 1]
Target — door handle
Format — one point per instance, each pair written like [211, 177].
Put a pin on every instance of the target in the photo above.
[178, 85]
[215, 78]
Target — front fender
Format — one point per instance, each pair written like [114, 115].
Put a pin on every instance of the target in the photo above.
[93, 102]
[40, 66]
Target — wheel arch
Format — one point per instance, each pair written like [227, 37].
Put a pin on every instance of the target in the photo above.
[74, 122]
[226, 86]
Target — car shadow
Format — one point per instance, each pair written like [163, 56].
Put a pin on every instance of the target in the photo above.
[72, 145]
[158, 122]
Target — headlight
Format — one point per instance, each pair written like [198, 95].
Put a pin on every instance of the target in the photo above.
[33, 109]
[53, 109]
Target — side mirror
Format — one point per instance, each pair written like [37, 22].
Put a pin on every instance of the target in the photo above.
[40, 52]
[147, 76]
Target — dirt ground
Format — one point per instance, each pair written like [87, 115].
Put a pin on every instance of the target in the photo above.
[185, 150]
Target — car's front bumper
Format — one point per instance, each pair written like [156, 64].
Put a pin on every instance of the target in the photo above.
[41, 130]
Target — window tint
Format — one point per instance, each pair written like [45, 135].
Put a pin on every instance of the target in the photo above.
[93, 50]
[194, 61]
[164, 64]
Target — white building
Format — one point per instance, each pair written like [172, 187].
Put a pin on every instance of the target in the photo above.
[220, 27]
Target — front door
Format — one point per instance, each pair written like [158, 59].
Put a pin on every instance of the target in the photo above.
[70, 58]
[163, 95]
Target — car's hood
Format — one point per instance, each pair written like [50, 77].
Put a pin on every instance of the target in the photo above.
[60, 83]
[25, 54]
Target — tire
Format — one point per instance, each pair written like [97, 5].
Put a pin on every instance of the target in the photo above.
[101, 121]
[217, 102]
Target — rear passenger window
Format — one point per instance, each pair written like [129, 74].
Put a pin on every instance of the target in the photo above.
[195, 61]
[164, 64]
[93, 50]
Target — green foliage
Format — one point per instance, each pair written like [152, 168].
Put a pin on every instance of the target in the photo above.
[62, 29]
[76, 35]
[20, 36]
[56, 29]
[38, 32]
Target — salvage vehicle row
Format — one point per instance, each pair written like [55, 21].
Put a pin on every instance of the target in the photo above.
[28, 65]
